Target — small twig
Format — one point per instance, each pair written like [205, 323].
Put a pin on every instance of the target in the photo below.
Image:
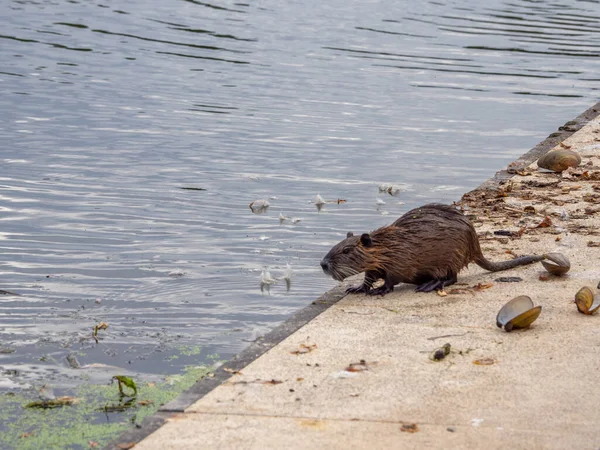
[445, 336]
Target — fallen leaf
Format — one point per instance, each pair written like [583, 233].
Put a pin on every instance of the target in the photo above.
[593, 244]
[303, 348]
[481, 287]
[563, 145]
[340, 201]
[484, 361]
[27, 434]
[273, 382]
[299, 379]
[93, 444]
[544, 223]
[145, 402]
[357, 367]
[232, 371]
[409, 427]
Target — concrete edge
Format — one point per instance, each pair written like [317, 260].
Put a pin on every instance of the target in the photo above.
[324, 302]
[224, 372]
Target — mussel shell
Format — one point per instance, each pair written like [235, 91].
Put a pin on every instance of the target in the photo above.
[559, 160]
[524, 320]
[512, 309]
[556, 263]
[586, 301]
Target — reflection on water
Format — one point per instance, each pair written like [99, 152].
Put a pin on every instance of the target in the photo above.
[110, 109]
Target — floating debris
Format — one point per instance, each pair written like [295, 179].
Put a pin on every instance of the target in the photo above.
[319, 202]
[287, 277]
[259, 206]
[3, 292]
[100, 326]
[46, 393]
[295, 220]
[379, 203]
[192, 189]
[587, 302]
[53, 403]
[440, 353]
[127, 382]
[176, 273]
[556, 263]
[266, 280]
[72, 361]
[559, 160]
[517, 313]
[392, 189]
[282, 218]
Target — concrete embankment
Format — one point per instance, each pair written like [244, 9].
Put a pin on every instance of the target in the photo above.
[355, 371]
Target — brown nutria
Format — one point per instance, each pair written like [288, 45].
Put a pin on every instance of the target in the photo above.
[427, 246]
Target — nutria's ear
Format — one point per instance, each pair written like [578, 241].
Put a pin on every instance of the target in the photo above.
[350, 234]
[365, 240]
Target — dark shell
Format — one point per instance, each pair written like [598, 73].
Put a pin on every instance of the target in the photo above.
[517, 313]
[556, 263]
[586, 301]
[559, 160]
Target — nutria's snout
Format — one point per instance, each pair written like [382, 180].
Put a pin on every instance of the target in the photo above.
[325, 266]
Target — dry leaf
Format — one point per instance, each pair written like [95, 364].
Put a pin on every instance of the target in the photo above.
[357, 367]
[481, 287]
[484, 361]
[27, 434]
[303, 348]
[340, 201]
[593, 244]
[409, 427]
[145, 402]
[544, 223]
[93, 444]
[232, 371]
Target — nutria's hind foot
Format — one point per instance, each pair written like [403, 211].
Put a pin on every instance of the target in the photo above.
[361, 289]
[381, 290]
[436, 284]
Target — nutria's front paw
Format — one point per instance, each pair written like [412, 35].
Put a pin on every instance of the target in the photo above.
[357, 289]
[381, 290]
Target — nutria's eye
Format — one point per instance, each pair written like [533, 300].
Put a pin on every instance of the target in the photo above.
[346, 250]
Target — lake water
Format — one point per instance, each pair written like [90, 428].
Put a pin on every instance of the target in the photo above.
[110, 108]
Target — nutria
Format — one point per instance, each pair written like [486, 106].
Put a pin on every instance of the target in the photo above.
[427, 246]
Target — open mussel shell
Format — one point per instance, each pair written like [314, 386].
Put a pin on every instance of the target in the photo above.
[559, 160]
[517, 313]
[556, 263]
[586, 301]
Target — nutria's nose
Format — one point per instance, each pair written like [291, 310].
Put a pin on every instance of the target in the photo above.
[324, 265]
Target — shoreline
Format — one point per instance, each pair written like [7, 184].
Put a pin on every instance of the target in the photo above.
[188, 403]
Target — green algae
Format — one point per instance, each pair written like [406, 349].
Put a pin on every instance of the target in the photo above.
[100, 414]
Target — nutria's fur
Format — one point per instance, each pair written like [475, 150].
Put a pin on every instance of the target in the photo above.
[427, 246]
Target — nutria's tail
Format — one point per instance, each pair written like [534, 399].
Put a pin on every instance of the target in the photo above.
[503, 265]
